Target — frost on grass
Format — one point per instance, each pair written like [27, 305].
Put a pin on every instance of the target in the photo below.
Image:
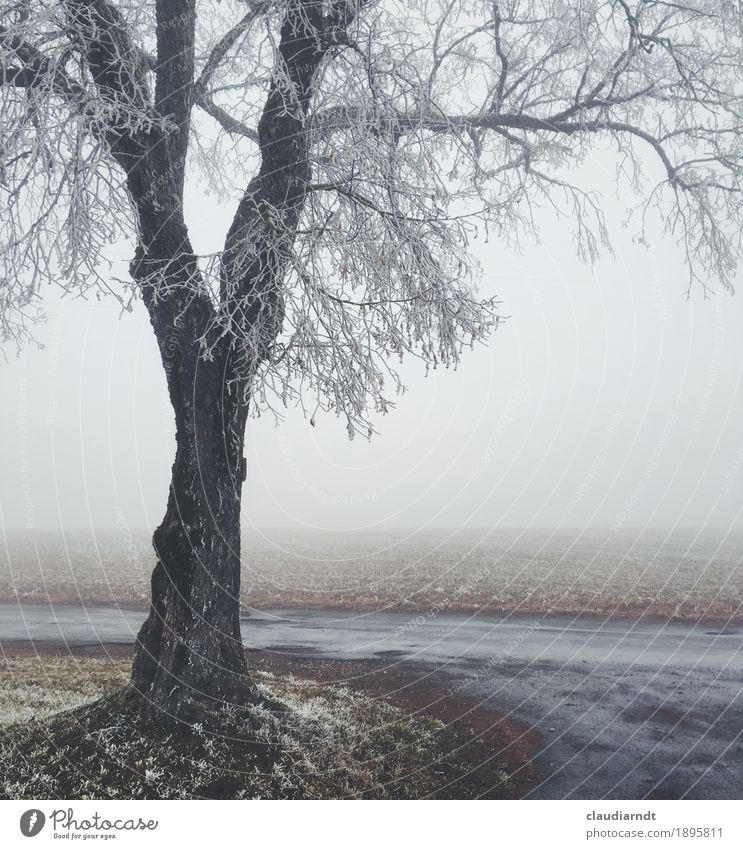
[35, 687]
[329, 742]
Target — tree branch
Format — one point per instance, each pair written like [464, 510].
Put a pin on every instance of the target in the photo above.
[36, 69]
[97, 29]
[263, 230]
[224, 119]
[345, 117]
[226, 43]
[174, 76]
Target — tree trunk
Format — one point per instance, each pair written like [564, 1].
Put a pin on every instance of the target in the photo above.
[189, 657]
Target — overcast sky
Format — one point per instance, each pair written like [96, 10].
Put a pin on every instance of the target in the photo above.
[606, 399]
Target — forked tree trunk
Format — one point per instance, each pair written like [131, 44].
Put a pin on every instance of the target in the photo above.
[189, 657]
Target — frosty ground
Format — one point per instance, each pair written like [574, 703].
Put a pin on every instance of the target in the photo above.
[67, 731]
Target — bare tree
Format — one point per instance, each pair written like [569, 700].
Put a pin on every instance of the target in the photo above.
[364, 144]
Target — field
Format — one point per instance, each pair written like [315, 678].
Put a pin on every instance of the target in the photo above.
[684, 575]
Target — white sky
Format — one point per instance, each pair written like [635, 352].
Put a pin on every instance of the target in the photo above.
[606, 398]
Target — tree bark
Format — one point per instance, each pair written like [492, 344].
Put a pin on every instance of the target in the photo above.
[189, 657]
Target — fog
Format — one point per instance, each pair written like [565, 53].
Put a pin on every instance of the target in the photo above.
[607, 398]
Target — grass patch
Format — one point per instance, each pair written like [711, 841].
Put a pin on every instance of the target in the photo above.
[328, 743]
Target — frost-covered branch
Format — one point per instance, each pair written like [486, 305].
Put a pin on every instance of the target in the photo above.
[364, 146]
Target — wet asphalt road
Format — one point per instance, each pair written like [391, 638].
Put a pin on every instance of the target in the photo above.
[624, 711]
